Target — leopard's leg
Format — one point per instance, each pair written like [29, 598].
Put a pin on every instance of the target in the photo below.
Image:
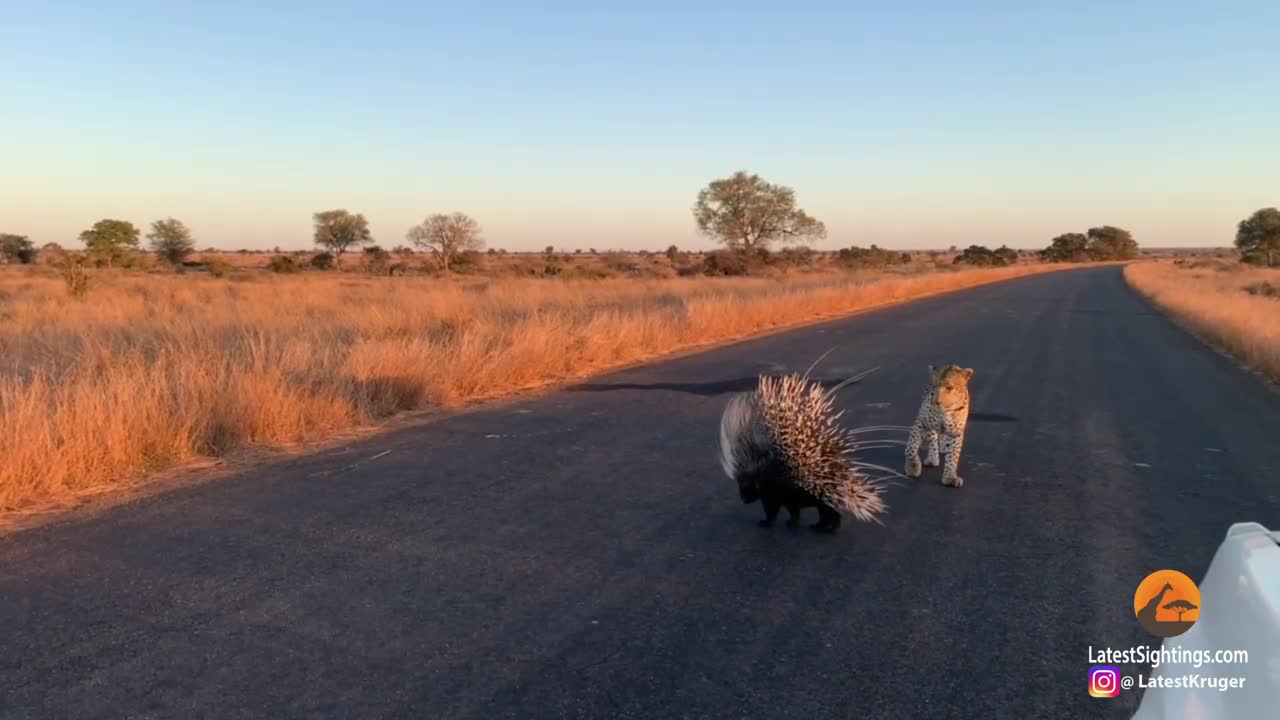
[913, 468]
[950, 474]
[931, 459]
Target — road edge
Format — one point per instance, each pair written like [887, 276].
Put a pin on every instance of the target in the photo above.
[1271, 382]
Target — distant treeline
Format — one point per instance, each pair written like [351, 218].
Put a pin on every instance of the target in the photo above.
[744, 213]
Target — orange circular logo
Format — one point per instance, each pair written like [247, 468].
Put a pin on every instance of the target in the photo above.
[1167, 603]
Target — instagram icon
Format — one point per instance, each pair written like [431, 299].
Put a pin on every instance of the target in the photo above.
[1104, 681]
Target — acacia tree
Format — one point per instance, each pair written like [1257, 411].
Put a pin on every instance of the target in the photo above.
[1180, 607]
[109, 239]
[744, 212]
[447, 236]
[16, 248]
[339, 230]
[171, 240]
[1258, 238]
[1112, 243]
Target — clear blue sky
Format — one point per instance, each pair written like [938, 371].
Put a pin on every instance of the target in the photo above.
[920, 125]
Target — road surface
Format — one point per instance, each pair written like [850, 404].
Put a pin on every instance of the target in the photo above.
[580, 555]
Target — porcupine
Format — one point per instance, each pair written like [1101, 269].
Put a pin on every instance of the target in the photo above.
[784, 446]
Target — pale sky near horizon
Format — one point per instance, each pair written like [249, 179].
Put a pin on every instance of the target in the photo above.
[577, 124]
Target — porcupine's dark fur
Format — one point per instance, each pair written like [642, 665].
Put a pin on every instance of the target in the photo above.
[783, 445]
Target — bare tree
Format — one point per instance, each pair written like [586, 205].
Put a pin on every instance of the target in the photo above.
[744, 212]
[447, 236]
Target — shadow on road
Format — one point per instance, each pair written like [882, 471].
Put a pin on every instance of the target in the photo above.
[1111, 311]
[707, 389]
[742, 384]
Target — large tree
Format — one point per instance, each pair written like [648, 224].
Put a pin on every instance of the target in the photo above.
[744, 212]
[1258, 238]
[1067, 247]
[109, 239]
[1112, 243]
[447, 236]
[16, 248]
[338, 230]
[171, 240]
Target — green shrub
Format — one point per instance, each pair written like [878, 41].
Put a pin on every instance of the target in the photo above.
[857, 258]
[376, 260]
[468, 261]
[726, 263]
[981, 256]
[1264, 289]
[219, 268]
[586, 272]
[621, 264]
[284, 264]
[796, 257]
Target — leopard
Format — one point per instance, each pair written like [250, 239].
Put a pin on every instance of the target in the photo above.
[944, 410]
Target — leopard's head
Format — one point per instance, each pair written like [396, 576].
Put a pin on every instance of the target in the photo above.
[951, 383]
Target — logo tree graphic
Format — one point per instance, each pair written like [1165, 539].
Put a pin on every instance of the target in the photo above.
[1181, 606]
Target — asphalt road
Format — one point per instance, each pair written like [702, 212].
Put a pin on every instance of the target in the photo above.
[580, 555]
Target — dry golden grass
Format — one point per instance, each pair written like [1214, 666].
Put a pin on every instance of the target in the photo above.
[498, 264]
[153, 370]
[1212, 298]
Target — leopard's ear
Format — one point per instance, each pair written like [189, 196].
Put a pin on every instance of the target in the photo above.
[967, 372]
[933, 373]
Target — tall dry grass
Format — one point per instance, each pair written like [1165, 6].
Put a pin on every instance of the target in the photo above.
[1231, 305]
[150, 371]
